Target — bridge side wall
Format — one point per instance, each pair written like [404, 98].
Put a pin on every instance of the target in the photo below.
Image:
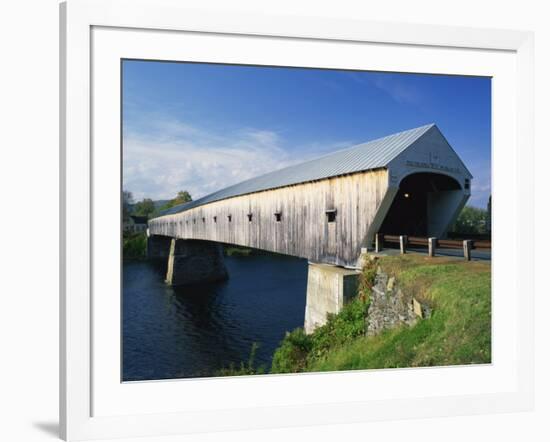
[303, 230]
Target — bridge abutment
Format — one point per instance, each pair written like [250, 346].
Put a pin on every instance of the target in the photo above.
[328, 288]
[194, 261]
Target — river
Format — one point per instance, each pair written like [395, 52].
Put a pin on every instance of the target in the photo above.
[194, 331]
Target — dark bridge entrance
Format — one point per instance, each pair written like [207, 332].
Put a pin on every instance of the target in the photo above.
[422, 199]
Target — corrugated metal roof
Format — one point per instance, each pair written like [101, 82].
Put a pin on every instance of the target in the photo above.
[370, 155]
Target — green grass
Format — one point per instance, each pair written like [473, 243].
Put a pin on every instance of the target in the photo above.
[243, 369]
[237, 251]
[457, 332]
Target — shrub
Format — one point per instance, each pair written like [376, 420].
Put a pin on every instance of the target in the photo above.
[297, 349]
[134, 245]
[290, 356]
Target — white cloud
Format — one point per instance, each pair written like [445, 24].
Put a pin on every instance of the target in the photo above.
[182, 157]
[399, 91]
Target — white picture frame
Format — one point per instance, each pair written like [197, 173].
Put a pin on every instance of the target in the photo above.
[94, 34]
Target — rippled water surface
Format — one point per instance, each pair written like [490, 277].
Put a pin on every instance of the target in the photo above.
[194, 331]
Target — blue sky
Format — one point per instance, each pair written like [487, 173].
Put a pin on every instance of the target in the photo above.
[201, 127]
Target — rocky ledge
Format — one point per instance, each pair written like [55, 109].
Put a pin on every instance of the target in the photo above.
[391, 307]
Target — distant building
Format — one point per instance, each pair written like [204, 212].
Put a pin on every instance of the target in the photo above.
[135, 224]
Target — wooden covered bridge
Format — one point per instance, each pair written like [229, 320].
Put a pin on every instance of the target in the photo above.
[325, 210]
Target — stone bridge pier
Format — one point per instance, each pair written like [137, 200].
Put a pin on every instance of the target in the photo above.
[190, 261]
[329, 287]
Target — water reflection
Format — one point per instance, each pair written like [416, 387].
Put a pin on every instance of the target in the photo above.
[194, 331]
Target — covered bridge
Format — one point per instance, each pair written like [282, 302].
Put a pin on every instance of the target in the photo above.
[327, 209]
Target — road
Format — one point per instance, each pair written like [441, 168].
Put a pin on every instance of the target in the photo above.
[477, 255]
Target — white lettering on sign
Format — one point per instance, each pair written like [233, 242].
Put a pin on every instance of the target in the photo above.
[432, 165]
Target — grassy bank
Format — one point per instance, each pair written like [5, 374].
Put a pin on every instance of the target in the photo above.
[457, 332]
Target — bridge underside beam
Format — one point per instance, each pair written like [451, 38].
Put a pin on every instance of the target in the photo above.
[195, 261]
[328, 289]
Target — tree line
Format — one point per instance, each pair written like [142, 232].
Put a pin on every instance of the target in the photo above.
[147, 207]
[472, 221]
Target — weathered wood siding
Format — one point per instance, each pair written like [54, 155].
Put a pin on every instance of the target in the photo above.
[303, 231]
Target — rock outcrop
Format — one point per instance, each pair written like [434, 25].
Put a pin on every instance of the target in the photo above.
[392, 307]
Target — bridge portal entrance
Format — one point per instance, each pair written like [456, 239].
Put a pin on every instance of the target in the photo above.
[425, 205]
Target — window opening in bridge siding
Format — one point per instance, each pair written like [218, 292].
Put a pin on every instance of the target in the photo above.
[331, 215]
[215, 219]
[204, 220]
[229, 218]
[194, 221]
[278, 216]
[467, 184]
[249, 217]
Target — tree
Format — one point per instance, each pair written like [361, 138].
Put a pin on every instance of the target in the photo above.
[145, 207]
[471, 220]
[127, 201]
[183, 196]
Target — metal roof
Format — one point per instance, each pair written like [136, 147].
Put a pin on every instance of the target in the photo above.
[370, 155]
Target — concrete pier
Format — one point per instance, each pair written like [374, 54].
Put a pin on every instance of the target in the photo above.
[195, 261]
[328, 289]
